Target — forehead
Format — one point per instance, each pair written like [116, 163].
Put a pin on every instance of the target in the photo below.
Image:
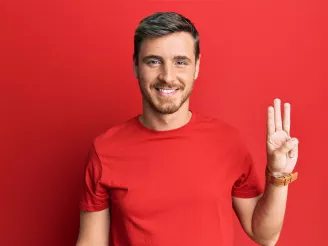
[175, 44]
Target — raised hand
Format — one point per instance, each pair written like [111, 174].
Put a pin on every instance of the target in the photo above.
[282, 150]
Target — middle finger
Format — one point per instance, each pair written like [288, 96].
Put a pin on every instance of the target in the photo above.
[277, 114]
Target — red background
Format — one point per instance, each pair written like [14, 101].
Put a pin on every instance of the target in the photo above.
[66, 76]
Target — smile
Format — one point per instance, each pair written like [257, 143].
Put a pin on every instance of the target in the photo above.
[167, 91]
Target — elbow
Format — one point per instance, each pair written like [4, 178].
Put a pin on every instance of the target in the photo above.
[264, 239]
[265, 236]
[267, 242]
[270, 243]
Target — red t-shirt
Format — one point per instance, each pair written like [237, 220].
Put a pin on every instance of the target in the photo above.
[169, 187]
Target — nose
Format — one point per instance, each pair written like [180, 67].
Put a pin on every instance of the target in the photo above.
[167, 74]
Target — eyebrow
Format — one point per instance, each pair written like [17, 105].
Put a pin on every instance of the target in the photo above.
[152, 57]
[180, 57]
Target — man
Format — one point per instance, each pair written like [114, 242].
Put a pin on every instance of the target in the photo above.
[172, 177]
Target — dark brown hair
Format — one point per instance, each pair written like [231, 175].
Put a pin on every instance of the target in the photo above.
[163, 23]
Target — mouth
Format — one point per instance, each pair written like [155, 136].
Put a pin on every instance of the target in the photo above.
[166, 92]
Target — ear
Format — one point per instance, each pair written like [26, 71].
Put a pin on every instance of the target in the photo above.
[135, 68]
[197, 67]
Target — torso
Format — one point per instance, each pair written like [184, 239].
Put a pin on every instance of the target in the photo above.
[173, 188]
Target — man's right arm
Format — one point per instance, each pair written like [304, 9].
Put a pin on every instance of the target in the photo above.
[94, 228]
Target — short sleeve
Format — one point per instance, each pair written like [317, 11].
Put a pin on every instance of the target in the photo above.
[248, 184]
[95, 196]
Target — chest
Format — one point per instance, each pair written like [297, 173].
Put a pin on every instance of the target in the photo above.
[147, 181]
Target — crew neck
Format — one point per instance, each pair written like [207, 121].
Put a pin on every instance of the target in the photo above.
[152, 131]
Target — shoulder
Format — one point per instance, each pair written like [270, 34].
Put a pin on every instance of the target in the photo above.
[115, 135]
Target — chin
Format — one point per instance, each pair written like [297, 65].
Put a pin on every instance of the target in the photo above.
[168, 109]
[163, 106]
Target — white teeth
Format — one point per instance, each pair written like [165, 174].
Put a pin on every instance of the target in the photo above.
[166, 91]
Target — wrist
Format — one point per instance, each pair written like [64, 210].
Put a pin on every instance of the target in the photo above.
[276, 173]
[280, 179]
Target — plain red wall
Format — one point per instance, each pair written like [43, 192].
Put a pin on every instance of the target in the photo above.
[66, 76]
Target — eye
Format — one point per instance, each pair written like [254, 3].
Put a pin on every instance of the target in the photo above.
[181, 63]
[153, 62]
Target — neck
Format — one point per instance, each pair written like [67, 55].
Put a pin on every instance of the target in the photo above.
[164, 122]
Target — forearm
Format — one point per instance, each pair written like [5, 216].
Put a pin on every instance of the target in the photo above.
[269, 214]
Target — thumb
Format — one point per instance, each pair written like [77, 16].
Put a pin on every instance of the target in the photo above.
[288, 146]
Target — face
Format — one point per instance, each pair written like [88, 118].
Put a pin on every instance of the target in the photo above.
[166, 71]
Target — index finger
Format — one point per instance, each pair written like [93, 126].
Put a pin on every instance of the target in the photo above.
[270, 121]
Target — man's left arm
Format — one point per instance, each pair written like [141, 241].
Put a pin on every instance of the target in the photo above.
[262, 217]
